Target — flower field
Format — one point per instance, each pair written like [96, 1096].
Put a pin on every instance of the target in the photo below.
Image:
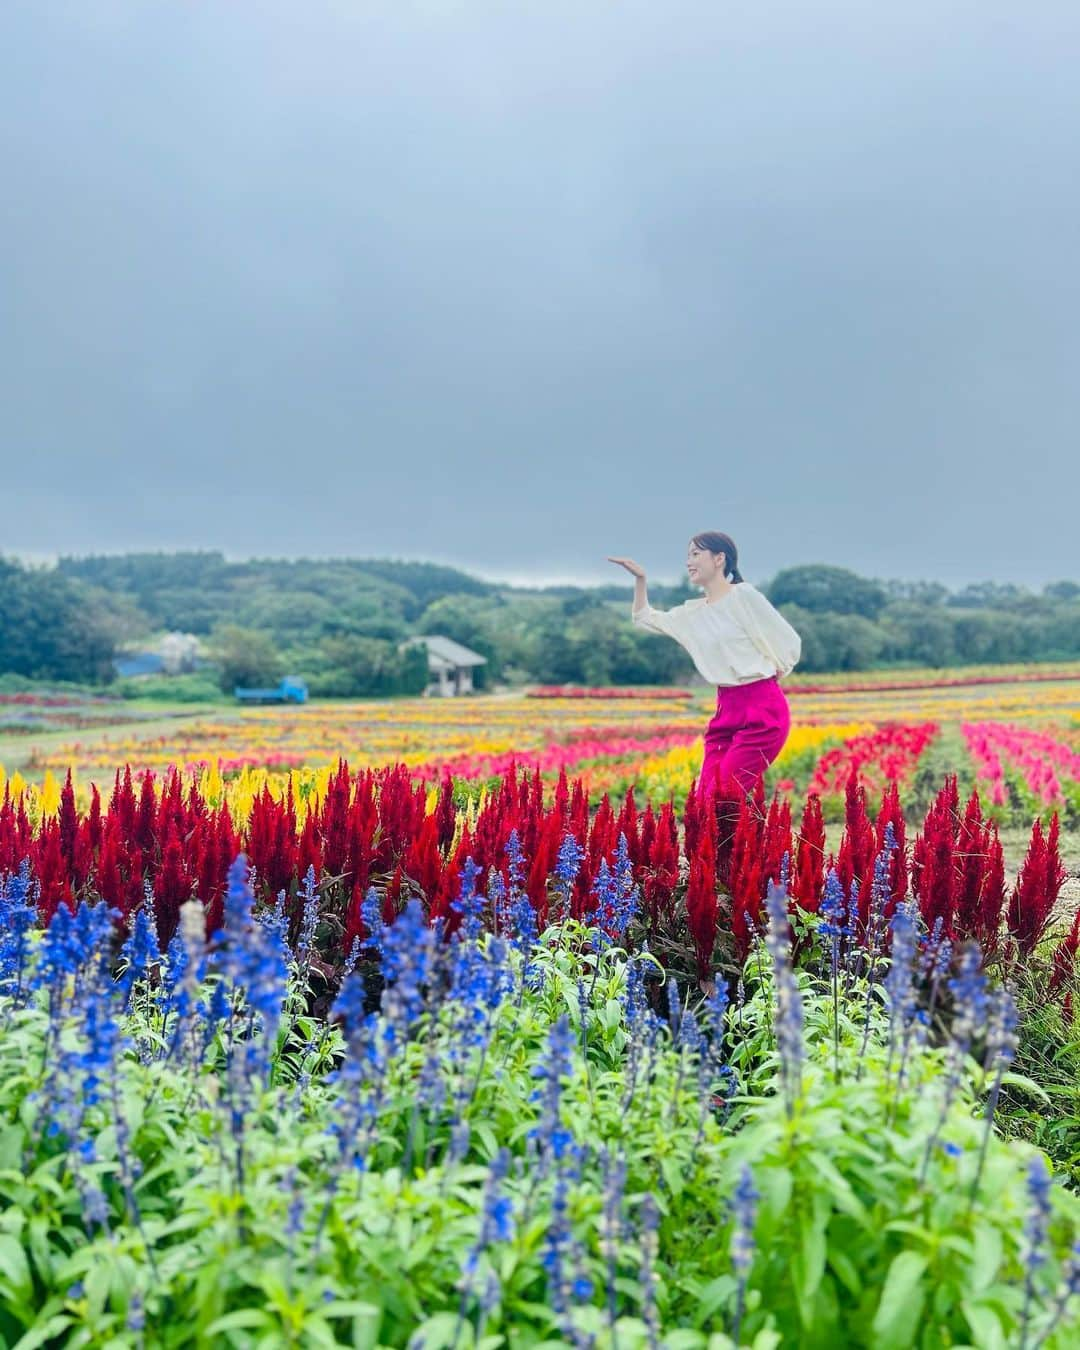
[651, 740]
[461, 1023]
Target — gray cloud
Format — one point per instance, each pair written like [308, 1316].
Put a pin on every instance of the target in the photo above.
[518, 285]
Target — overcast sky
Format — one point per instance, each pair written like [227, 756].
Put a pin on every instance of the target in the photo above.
[517, 285]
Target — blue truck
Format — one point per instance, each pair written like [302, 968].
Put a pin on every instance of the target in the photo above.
[290, 690]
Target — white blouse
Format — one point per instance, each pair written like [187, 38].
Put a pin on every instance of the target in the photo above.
[733, 640]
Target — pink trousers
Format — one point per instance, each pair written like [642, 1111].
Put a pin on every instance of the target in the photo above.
[745, 735]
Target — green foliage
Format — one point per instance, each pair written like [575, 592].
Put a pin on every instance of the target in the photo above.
[849, 1245]
[557, 634]
[360, 667]
[820, 588]
[1049, 1052]
[171, 689]
[245, 657]
[52, 628]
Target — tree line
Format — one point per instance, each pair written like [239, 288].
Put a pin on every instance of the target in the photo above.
[340, 622]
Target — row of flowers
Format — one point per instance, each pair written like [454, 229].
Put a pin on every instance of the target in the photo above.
[433, 731]
[625, 691]
[375, 839]
[1048, 767]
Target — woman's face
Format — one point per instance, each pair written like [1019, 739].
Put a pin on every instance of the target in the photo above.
[702, 566]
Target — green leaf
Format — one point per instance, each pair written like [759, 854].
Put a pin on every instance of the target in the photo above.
[671, 1167]
[1028, 1085]
[243, 1317]
[43, 1332]
[986, 1329]
[845, 1270]
[901, 1303]
[987, 1250]
[14, 1268]
[441, 1331]
[350, 1308]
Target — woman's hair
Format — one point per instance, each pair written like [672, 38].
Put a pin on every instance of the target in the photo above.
[715, 542]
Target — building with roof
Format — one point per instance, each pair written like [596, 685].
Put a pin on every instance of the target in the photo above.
[450, 665]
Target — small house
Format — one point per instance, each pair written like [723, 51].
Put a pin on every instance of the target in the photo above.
[450, 665]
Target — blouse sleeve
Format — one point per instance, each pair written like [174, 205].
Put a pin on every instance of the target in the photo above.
[770, 632]
[655, 620]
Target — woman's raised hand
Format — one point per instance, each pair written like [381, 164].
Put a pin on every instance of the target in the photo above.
[635, 569]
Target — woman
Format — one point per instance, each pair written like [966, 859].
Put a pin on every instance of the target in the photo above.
[738, 642]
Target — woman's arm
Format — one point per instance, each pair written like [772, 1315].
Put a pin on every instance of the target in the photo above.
[641, 593]
[643, 614]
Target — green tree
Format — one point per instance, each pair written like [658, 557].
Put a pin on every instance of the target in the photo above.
[916, 633]
[351, 666]
[473, 621]
[52, 628]
[822, 589]
[245, 657]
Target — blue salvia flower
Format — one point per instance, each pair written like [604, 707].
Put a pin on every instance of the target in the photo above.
[519, 908]
[518, 867]
[309, 917]
[691, 1037]
[139, 954]
[716, 1008]
[136, 1314]
[360, 1082]
[613, 1169]
[835, 929]
[789, 1013]
[900, 984]
[101, 1032]
[555, 1065]
[431, 1085]
[936, 959]
[524, 927]
[1068, 1289]
[496, 894]
[674, 1009]
[634, 1003]
[833, 926]
[352, 958]
[176, 960]
[1001, 1037]
[650, 1246]
[407, 963]
[1036, 1234]
[277, 920]
[561, 1259]
[496, 1212]
[58, 956]
[371, 917]
[496, 1225]
[880, 890]
[616, 896]
[297, 1204]
[968, 988]
[1001, 1043]
[627, 895]
[251, 959]
[567, 865]
[741, 1246]
[18, 915]
[469, 904]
